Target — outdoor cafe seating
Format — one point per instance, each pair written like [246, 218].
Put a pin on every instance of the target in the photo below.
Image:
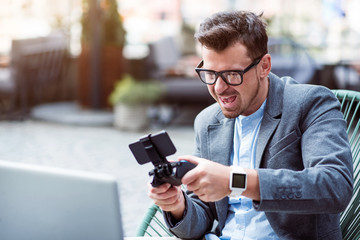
[33, 74]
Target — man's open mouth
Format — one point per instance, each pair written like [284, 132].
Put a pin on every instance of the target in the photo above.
[227, 100]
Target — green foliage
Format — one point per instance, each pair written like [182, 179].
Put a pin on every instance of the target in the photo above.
[112, 30]
[131, 92]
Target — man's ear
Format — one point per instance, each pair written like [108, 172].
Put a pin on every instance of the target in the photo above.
[265, 65]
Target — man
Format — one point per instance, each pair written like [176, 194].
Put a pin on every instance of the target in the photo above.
[273, 159]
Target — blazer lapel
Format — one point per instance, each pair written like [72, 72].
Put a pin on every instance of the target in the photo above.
[220, 141]
[271, 116]
[268, 126]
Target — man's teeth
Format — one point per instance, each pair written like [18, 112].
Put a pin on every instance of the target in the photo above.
[228, 99]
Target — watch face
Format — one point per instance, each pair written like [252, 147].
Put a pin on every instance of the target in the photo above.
[238, 180]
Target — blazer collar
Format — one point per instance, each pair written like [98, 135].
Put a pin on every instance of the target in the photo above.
[275, 96]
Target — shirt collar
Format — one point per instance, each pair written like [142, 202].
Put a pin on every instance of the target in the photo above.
[244, 120]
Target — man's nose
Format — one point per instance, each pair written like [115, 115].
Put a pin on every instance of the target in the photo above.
[220, 85]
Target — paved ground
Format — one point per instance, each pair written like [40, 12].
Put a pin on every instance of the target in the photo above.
[94, 149]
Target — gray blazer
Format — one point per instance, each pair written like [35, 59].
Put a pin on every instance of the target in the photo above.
[303, 159]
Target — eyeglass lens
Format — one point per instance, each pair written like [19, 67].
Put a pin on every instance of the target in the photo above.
[210, 77]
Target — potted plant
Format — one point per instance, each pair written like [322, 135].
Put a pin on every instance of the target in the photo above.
[131, 99]
[110, 40]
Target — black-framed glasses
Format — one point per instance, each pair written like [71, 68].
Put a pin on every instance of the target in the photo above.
[231, 77]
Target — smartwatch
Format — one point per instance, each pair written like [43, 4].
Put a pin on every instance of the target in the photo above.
[238, 181]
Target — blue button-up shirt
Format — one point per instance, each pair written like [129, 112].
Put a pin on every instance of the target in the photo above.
[243, 222]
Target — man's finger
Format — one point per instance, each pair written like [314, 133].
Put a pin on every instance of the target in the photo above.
[190, 177]
[189, 158]
[160, 189]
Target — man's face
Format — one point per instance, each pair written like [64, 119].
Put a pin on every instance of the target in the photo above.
[243, 99]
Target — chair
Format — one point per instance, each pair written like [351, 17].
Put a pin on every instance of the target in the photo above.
[350, 218]
[350, 106]
[152, 224]
[34, 73]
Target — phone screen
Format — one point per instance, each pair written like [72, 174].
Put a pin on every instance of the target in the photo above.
[160, 141]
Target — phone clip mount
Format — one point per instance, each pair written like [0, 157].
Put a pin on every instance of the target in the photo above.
[155, 148]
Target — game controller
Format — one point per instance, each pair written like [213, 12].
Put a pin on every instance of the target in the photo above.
[155, 148]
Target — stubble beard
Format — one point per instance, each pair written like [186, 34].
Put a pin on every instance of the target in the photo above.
[241, 109]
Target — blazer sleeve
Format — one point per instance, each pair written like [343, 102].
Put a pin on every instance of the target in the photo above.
[196, 222]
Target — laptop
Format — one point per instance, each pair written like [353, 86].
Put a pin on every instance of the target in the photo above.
[46, 203]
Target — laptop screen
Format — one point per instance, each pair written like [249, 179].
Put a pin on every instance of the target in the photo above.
[48, 203]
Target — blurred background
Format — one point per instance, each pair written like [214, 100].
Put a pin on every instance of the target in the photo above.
[81, 79]
[93, 53]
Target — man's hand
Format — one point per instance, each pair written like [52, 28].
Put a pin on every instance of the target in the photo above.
[208, 180]
[168, 198]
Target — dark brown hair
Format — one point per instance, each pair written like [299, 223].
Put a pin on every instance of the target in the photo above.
[224, 29]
